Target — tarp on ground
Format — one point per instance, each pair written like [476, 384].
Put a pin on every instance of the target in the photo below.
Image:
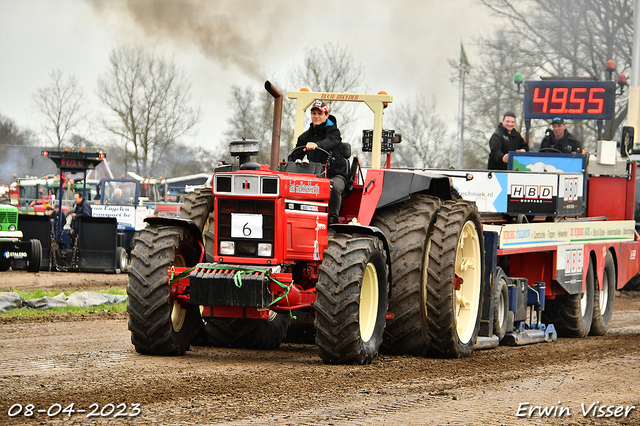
[11, 300]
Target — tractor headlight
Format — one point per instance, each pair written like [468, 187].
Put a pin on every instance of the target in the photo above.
[264, 249]
[227, 247]
[12, 228]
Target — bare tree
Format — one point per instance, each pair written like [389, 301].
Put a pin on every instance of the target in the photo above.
[149, 98]
[426, 141]
[573, 38]
[62, 105]
[490, 92]
[331, 69]
[12, 134]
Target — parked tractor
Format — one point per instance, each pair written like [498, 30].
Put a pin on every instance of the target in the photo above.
[13, 248]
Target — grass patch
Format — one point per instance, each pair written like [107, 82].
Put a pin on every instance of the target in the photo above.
[72, 310]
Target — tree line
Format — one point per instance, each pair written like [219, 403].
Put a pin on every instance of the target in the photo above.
[149, 101]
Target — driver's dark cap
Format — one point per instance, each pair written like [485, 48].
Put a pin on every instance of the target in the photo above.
[558, 120]
[321, 106]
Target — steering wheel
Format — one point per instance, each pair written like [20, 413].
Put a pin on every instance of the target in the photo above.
[549, 149]
[324, 151]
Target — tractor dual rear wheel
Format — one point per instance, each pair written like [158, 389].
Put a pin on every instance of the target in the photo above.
[197, 206]
[351, 304]
[408, 227]
[455, 279]
[159, 325]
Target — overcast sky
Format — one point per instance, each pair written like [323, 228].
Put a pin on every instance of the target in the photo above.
[403, 46]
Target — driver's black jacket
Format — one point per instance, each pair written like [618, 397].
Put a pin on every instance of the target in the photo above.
[567, 143]
[326, 136]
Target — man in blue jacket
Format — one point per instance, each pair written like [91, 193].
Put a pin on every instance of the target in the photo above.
[323, 133]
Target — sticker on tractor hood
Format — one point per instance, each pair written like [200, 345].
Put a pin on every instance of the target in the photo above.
[304, 188]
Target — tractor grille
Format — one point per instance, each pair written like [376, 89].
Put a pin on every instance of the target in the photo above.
[8, 218]
[246, 246]
[229, 287]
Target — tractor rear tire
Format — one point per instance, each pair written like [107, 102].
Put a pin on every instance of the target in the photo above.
[248, 333]
[351, 304]
[33, 264]
[502, 316]
[197, 206]
[408, 228]
[159, 325]
[457, 250]
[603, 300]
[207, 235]
[572, 315]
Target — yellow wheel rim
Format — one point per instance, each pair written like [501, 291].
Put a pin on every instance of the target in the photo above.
[425, 278]
[178, 313]
[368, 302]
[468, 267]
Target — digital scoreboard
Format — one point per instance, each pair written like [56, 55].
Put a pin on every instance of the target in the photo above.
[569, 99]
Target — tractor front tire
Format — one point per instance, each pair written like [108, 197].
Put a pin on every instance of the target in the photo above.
[455, 280]
[352, 299]
[603, 299]
[572, 315]
[159, 325]
[408, 228]
[245, 333]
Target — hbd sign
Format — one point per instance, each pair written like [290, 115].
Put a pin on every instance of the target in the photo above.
[532, 193]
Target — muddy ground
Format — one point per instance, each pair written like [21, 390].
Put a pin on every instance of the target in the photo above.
[90, 360]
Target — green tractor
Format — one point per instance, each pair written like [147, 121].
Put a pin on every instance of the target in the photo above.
[11, 245]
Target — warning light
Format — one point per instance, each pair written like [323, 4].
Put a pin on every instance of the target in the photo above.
[80, 150]
[66, 149]
[45, 153]
[304, 89]
[384, 104]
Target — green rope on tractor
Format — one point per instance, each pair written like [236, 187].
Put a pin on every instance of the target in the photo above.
[237, 280]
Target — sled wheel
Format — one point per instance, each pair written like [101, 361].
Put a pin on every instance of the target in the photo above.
[572, 315]
[501, 304]
[604, 299]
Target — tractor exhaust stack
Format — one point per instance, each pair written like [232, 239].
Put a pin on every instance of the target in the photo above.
[277, 122]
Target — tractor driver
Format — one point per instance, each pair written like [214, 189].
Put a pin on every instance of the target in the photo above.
[323, 133]
[118, 198]
[560, 138]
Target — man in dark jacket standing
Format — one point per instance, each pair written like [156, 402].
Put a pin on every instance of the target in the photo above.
[560, 138]
[503, 140]
[323, 133]
[83, 209]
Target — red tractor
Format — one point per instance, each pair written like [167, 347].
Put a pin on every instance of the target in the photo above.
[256, 253]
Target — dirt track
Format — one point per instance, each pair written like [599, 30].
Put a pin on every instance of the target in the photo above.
[91, 360]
